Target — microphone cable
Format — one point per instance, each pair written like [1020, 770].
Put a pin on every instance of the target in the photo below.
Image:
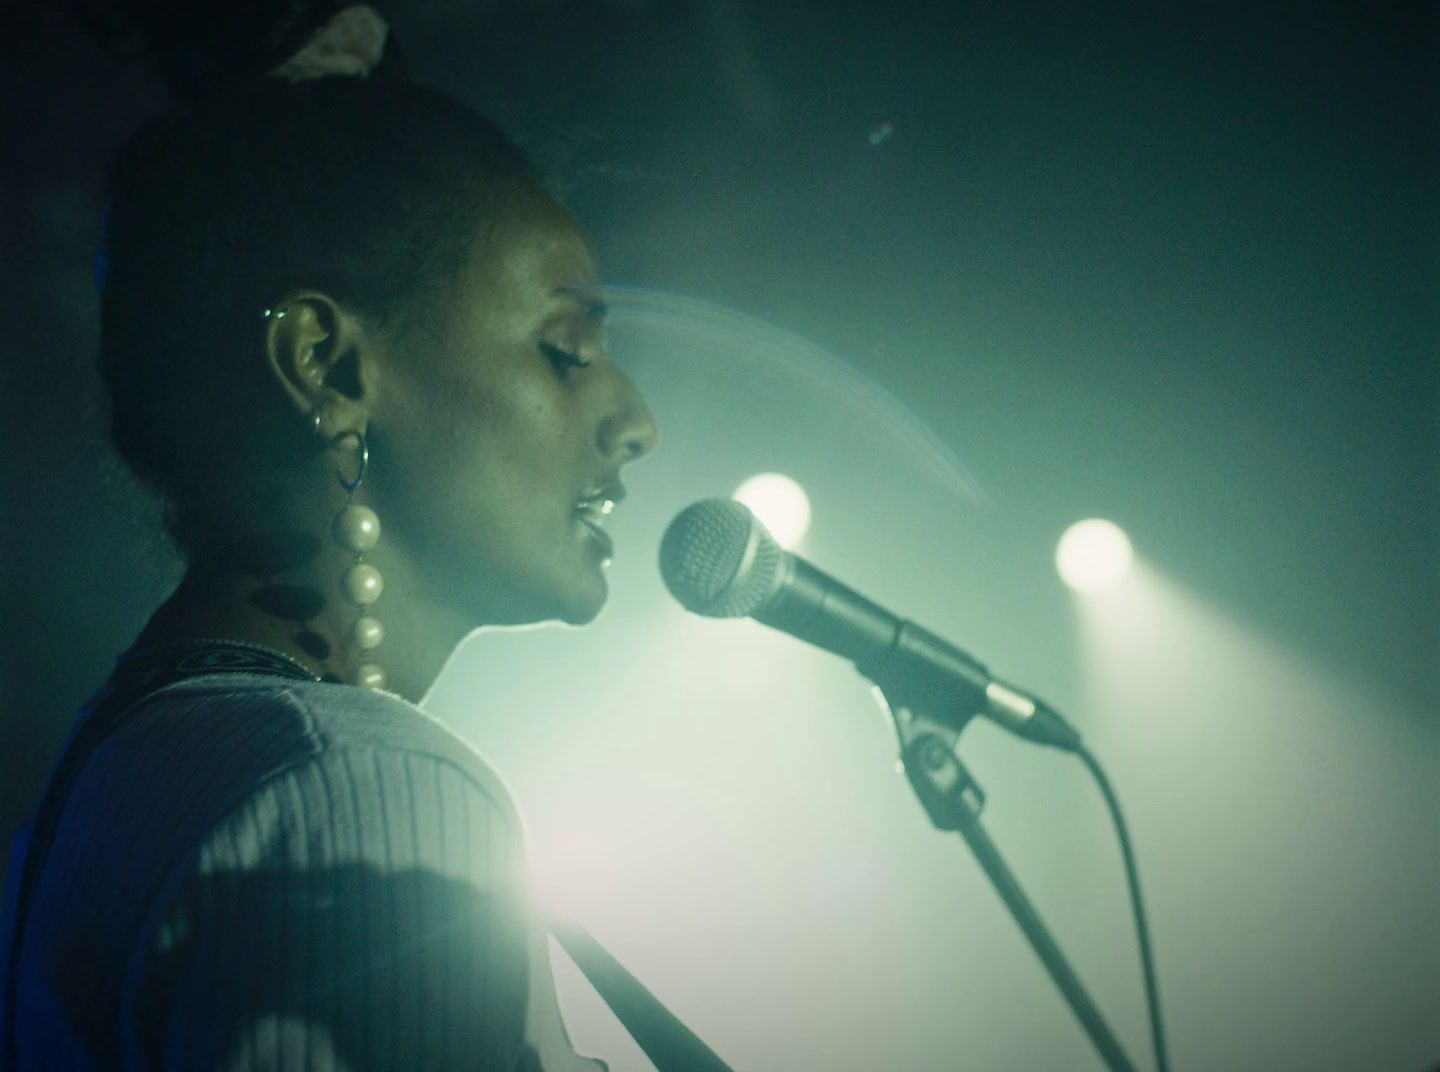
[1137, 906]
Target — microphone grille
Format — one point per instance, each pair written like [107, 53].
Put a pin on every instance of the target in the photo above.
[718, 560]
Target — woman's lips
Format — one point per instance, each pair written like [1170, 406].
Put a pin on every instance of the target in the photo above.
[589, 515]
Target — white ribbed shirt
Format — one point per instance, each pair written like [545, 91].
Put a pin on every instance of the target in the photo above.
[259, 873]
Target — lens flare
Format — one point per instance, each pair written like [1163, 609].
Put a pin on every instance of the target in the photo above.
[781, 505]
[1093, 555]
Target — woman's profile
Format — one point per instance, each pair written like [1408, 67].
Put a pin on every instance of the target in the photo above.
[359, 351]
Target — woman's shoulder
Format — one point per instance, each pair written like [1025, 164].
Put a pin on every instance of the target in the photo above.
[257, 715]
[235, 771]
[255, 726]
[234, 805]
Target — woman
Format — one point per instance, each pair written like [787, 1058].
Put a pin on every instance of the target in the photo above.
[360, 353]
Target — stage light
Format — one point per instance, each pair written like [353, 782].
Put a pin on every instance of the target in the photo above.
[781, 505]
[1093, 555]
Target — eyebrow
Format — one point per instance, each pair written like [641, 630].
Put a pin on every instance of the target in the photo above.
[589, 297]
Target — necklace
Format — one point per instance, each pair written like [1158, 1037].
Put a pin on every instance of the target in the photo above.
[223, 653]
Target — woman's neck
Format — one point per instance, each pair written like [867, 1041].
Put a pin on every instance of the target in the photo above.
[283, 590]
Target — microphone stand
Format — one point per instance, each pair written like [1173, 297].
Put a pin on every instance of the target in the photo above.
[953, 801]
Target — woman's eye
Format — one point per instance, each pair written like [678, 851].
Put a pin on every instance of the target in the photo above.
[563, 360]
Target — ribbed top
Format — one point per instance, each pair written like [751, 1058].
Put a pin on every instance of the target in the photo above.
[253, 873]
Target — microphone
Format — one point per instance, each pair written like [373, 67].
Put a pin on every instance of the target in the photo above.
[718, 560]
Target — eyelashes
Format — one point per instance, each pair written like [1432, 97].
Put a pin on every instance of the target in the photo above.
[561, 359]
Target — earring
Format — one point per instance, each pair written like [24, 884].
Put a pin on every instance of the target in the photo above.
[357, 529]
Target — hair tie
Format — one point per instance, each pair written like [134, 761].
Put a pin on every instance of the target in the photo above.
[351, 43]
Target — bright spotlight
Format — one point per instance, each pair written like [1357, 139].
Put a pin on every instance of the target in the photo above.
[781, 505]
[1093, 555]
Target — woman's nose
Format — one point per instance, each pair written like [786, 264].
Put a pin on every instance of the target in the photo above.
[629, 432]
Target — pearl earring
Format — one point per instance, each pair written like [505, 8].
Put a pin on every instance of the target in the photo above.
[357, 529]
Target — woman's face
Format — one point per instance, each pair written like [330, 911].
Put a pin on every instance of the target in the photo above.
[504, 428]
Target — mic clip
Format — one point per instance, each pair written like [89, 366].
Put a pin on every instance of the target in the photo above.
[931, 764]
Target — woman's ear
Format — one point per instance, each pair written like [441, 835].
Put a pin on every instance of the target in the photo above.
[321, 357]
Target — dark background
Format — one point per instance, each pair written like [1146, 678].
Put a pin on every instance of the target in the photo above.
[1170, 266]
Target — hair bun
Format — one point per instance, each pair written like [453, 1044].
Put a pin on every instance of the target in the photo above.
[202, 48]
[350, 42]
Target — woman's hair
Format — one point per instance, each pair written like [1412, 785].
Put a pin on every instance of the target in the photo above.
[372, 190]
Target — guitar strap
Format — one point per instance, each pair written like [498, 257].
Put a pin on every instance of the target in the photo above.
[140, 674]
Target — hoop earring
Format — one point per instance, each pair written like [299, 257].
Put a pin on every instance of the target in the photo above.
[357, 529]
